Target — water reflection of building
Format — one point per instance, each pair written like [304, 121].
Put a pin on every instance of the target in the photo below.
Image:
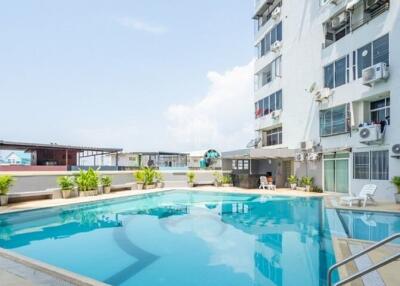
[288, 245]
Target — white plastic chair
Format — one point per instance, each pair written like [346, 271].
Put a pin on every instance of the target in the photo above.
[264, 184]
[366, 194]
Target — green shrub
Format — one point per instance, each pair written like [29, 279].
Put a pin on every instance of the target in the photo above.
[5, 183]
[87, 181]
[139, 176]
[292, 179]
[226, 179]
[396, 181]
[218, 177]
[307, 181]
[106, 181]
[149, 175]
[159, 177]
[191, 176]
[66, 182]
[316, 189]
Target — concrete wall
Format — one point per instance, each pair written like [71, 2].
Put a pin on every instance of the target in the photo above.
[39, 181]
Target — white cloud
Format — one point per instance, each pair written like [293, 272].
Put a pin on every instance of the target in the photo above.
[221, 119]
[139, 25]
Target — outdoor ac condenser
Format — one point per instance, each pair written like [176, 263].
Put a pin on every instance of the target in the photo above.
[375, 73]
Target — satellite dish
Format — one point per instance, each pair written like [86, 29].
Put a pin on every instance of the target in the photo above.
[312, 87]
[253, 143]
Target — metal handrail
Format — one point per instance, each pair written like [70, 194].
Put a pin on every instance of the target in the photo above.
[367, 270]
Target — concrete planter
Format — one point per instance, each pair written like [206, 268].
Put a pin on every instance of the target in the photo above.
[397, 198]
[140, 186]
[160, 185]
[227, 185]
[308, 188]
[3, 200]
[190, 185]
[88, 193]
[216, 184]
[106, 190]
[66, 194]
[149, 187]
[293, 187]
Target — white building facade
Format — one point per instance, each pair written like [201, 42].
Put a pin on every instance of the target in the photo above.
[327, 84]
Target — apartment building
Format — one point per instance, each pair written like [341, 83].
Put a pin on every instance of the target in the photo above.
[327, 85]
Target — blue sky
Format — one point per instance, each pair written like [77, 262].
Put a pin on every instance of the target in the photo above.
[126, 73]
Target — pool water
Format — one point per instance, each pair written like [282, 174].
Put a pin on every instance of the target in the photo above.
[181, 238]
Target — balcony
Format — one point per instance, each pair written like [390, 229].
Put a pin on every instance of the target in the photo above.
[266, 11]
[354, 16]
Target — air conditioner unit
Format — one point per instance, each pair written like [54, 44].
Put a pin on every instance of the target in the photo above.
[375, 73]
[372, 4]
[370, 133]
[312, 156]
[276, 114]
[339, 20]
[276, 46]
[396, 151]
[322, 94]
[299, 157]
[306, 145]
[276, 13]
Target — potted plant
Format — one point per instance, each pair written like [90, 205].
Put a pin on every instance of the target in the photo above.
[227, 181]
[106, 182]
[307, 182]
[87, 183]
[396, 181]
[149, 178]
[191, 176]
[292, 180]
[66, 184]
[159, 179]
[217, 179]
[5, 183]
[139, 178]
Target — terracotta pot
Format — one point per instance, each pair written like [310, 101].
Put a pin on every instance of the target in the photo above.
[66, 193]
[3, 200]
[107, 190]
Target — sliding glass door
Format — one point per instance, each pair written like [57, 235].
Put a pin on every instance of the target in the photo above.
[336, 173]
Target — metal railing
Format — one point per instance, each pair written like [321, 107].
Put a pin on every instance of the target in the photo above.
[367, 270]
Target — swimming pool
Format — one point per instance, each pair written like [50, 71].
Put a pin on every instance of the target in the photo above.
[181, 238]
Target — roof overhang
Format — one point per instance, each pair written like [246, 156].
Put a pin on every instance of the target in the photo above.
[262, 8]
[279, 153]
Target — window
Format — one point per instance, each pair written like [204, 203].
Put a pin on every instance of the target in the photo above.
[245, 164]
[272, 36]
[268, 104]
[240, 164]
[361, 165]
[373, 53]
[337, 73]
[269, 73]
[380, 165]
[380, 110]
[272, 137]
[234, 165]
[334, 121]
[372, 165]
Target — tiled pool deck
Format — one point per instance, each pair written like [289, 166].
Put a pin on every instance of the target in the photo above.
[21, 271]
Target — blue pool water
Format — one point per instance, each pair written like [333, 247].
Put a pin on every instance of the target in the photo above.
[181, 238]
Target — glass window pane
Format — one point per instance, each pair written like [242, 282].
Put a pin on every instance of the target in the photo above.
[381, 50]
[279, 99]
[361, 165]
[340, 72]
[378, 104]
[279, 32]
[380, 165]
[273, 35]
[364, 58]
[272, 102]
[328, 76]
[339, 120]
[267, 43]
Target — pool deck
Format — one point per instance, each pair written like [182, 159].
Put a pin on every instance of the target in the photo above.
[22, 271]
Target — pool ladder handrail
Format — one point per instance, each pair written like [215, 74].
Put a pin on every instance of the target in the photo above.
[367, 270]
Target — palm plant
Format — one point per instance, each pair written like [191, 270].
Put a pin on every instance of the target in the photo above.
[106, 181]
[149, 175]
[396, 181]
[191, 176]
[5, 183]
[292, 180]
[66, 184]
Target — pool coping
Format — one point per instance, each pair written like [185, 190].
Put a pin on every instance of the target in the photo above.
[53, 271]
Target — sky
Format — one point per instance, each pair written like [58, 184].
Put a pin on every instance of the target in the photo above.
[161, 75]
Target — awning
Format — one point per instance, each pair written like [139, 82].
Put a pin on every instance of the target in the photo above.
[336, 150]
[279, 153]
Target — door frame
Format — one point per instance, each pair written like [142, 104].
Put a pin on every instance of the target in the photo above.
[349, 167]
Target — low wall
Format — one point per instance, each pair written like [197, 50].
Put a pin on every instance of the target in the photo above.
[40, 181]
